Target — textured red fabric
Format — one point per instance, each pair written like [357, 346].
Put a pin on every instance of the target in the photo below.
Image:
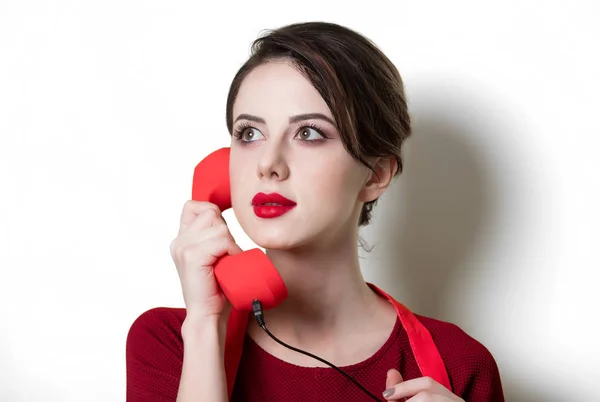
[154, 357]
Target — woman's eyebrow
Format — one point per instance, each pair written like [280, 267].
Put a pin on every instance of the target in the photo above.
[293, 119]
[311, 116]
[250, 117]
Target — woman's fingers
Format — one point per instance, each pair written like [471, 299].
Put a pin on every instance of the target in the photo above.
[393, 378]
[410, 388]
[191, 211]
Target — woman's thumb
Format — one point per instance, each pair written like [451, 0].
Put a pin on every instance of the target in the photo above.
[393, 378]
[233, 248]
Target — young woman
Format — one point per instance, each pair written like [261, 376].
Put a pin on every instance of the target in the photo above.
[317, 115]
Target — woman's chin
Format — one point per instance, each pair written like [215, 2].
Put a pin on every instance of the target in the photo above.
[279, 236]
[283, 243]
[275, 244]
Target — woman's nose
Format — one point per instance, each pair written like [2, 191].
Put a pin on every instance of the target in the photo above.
[272, 163]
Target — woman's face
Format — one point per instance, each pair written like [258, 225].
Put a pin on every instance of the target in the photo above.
[285, 141]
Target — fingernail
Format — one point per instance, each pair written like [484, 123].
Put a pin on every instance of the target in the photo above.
[388, 392]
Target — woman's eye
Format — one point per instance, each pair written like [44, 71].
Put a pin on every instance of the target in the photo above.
[251, 134]
[309, 134]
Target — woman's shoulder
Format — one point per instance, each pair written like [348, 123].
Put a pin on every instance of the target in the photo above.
[156, 323]
[165, 315]
[157, 318]
[154, 330]
[154, 354]
[472, 368]
[448, 335]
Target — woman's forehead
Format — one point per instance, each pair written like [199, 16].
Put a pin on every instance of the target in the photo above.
[278, 88]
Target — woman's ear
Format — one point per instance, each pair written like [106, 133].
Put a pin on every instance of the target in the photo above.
[378, 180]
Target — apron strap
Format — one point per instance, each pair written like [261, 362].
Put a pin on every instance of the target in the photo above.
[423, 347]
[234, 346]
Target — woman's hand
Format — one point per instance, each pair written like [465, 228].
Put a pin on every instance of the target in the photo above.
[423, 389]
[203, 237]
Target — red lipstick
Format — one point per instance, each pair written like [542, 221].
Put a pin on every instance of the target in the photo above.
[271, 205]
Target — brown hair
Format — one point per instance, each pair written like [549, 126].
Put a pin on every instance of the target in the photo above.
[361, 86]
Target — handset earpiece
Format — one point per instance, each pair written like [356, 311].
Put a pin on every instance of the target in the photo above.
[243, 277]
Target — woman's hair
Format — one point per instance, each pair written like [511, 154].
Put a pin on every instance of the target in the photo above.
[361, 86]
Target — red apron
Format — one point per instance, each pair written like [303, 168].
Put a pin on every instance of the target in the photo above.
[423, 348]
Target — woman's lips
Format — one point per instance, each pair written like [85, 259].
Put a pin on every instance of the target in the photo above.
[272, 198]
[271, 205]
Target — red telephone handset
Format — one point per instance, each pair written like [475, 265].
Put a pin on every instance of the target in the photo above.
[246, 276]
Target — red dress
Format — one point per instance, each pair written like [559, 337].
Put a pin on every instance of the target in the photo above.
[473, 372]
[418, 346]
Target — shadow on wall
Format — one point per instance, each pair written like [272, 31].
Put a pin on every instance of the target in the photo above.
[441, 205]
[445, 201]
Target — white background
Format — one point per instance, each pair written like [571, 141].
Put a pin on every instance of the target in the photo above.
[106, 107]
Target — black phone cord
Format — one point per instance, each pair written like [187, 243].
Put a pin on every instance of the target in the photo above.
[260, 319]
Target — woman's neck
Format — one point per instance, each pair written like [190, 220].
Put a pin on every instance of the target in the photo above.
[328, 297]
